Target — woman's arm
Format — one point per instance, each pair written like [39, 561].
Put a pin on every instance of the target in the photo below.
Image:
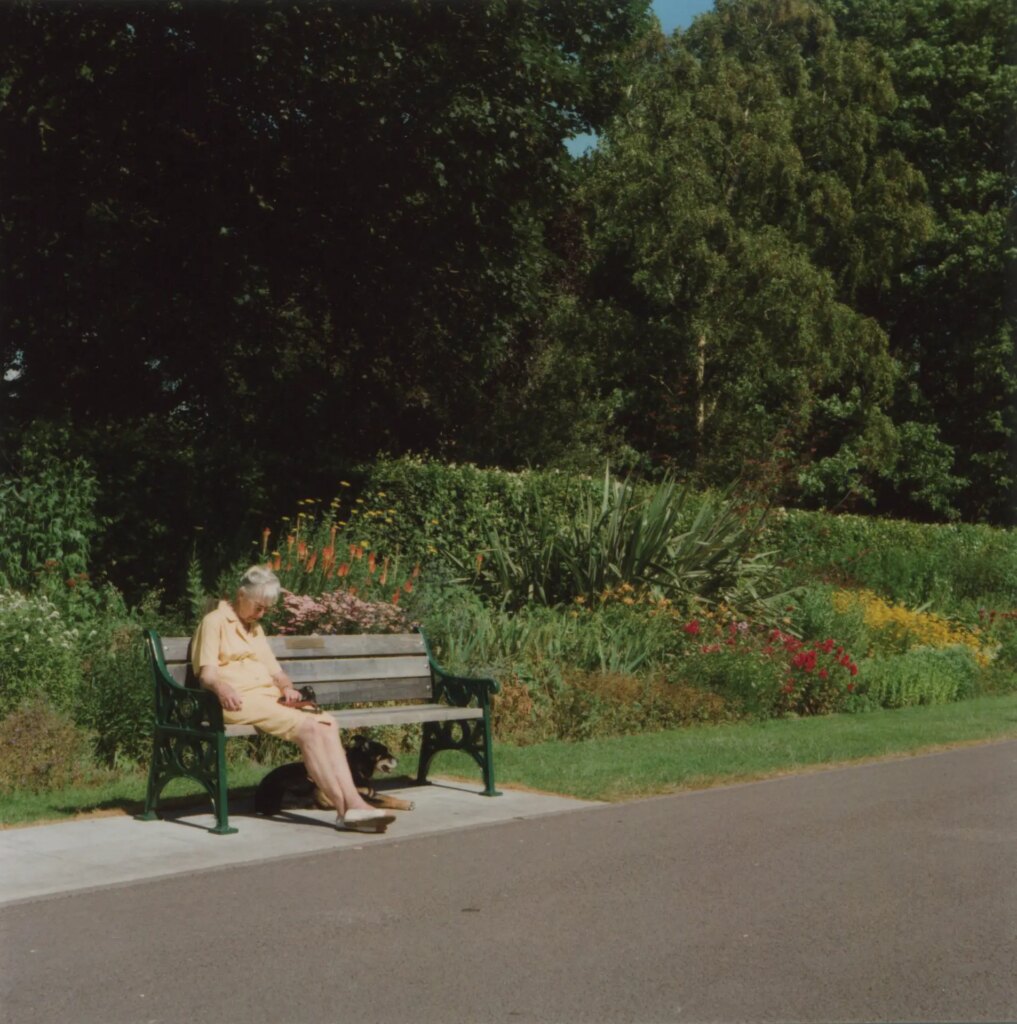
[209, 679]
[285, 684]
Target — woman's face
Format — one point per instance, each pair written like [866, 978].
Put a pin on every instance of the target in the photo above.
[249, 608]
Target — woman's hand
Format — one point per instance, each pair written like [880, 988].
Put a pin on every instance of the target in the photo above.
[229, 698]
[291, 696]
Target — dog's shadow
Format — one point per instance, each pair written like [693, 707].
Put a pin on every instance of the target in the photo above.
[325, 817]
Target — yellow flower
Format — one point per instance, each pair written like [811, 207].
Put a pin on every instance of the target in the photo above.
[344, 483]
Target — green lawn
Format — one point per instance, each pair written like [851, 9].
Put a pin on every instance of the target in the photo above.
[631, 766]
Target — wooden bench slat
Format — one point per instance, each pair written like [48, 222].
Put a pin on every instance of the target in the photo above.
[374, 689]
[350, 690]
[354, 646]
[358, 718]
[332, 670]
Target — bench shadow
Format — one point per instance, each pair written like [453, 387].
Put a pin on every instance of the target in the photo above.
[241, 805]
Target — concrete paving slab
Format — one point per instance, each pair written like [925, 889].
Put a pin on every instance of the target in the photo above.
[46, 860]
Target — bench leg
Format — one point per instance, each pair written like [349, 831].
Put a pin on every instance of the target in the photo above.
[474, 738]
[186, 755]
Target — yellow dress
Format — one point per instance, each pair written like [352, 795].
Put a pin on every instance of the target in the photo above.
[245, 661]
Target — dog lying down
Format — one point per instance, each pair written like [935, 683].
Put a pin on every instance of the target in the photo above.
[288, 787]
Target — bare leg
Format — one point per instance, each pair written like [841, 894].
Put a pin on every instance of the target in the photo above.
[326, 764]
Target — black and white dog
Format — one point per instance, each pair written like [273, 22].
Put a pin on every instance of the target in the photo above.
[288, 786]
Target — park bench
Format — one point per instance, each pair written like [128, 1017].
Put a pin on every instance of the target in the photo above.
[389, 679]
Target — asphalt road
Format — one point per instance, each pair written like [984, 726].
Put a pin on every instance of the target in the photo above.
[885, 892]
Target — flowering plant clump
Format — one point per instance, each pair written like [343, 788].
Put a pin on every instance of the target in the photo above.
[315, 555]
[39, 653]
[769, 670]
[898, 628]
[338, 612]
[820, 675]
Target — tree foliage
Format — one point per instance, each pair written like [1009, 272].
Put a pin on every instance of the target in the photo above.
[247, 240]
[744, 203]
[949, 319]
[249, 244]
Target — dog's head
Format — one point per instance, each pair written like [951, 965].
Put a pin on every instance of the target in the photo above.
[370, 756]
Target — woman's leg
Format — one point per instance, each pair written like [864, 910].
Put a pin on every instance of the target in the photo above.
[326, 763]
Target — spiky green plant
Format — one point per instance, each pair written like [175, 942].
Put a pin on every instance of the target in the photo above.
[657, 542]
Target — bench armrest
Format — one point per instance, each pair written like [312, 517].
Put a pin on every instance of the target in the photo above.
[177, 706]
[459, 691]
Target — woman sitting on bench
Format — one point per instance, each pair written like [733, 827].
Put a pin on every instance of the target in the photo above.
[231, 657]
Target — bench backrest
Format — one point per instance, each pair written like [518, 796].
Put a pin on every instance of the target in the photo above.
[342, 669]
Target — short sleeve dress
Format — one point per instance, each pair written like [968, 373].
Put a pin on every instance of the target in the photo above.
[246, 662]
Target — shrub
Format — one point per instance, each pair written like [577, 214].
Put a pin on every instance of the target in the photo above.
[821, 676]
[516, 717]
[337, 612]
[904, 562]
[115, 702]
[41, 749]
[923, 675]
[893, 628]
[766, 671]
[47, 513]
[815, 612]
[424, 508]
[684, 546]
[998, 633]
[749, 678]
[591, 704]
[39, 654]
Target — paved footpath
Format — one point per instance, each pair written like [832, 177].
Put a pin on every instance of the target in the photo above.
[883, 892]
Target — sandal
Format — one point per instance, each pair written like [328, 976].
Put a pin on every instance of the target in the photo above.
[370, 820]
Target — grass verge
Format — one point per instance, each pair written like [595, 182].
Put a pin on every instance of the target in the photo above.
[626, 767]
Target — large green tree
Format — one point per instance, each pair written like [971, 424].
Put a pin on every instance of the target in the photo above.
[951, 323]
[245, 242]
[745, 203]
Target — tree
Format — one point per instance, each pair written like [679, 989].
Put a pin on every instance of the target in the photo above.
[950, 321]
[743, 203]
[247, 242]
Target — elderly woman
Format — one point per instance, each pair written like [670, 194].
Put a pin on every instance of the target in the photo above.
[232, 658]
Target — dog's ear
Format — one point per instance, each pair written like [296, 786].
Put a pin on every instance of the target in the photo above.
[358, 742]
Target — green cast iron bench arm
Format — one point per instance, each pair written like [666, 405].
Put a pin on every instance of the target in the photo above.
[208, 716]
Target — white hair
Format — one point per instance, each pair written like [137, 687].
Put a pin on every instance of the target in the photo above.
[260, 584]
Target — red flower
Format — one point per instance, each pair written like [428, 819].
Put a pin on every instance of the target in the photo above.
[693, 628]
[854, 670]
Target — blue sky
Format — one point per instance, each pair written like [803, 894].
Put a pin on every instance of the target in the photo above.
[672, 14]
[679, 13]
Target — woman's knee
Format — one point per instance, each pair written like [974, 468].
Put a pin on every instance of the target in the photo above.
[316, 730]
